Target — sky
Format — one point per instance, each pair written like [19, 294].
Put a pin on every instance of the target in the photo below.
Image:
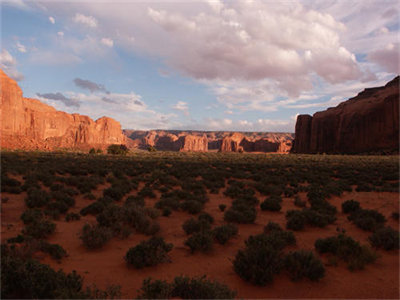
[199, 65]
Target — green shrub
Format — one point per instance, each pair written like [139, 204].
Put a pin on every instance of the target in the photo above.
[40, 229]
[395, 215]
[206, 217]
[92, 151]
[184, 287]
[386, 238]
[350, 206]
[222, 207]
[54, 250]
[200, 241]
[367, 219]
[200, 288]
[192, 206]
[272, 203]
[148, 253]
[295, 220]
[31, 215]
[191, 226]
[346, 248]
[136, 200]
[298, 202]
[117, 149]
[241, 213]
[157, 289]
[94, 237]
[37, 198]
[224, 233]
[93, 208]
[166, 211]
[303, 263]
[272, 226]
[72, 217]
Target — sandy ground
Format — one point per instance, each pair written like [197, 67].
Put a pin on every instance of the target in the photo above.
[107, 266]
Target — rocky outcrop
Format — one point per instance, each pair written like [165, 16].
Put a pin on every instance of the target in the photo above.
[192, 143]
[232, 143]
[30, 124]
[368, 122]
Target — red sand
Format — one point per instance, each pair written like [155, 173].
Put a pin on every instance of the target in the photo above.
[107, 266]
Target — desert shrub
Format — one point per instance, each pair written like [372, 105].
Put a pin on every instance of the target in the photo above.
[240, 213]
[93, 208]
[146, 191]
[298, 202]
[148, 253]
[157, 289]
[112, 217]
[166, 211]
[258, 265]
[386, 238]
[10, 185]
[18, 239]
[29, 279]
[224, 233]
[367, 219]
[32, 215]
[117, 149]
[94, 237]
[279, 239]
[54, 250]
[192, 225]
[114, 193]
[346, 248]
[303, 263]
[92, 151]
[395, 215]
[37, 198]
[295, 220]
[89, 196]
[200, 241]
[185, 288]
[273, 203]
[200, 288]
[111, 292]
[206, 217]
[39, 229]
[72, 217]
[136, 200]
[192, 206]
[317, 218]
[350, 206]
[272, 226]
[222, 207]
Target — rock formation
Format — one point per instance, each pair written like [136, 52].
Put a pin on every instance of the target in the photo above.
[193, 143]
[368, 122]
[30, 124]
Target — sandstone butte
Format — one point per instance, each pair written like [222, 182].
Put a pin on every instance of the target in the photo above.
[366, 123]
[224, 141]
[30, 124]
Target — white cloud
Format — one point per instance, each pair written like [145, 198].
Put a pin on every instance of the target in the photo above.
[52, 20]
[60, 34]
[21, 48]
[388, 58]
[85, 20]
[182, 106]
[107, 42]
[9, 65]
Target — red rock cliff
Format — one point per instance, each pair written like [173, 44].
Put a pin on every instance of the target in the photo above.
[30, 124]
[368, 122]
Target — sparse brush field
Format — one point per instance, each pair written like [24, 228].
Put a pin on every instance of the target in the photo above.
[209, 225]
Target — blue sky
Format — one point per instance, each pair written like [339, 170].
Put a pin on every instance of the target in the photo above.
[211, 65]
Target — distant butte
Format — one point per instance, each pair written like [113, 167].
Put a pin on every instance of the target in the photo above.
[367, 123]
[30, 124]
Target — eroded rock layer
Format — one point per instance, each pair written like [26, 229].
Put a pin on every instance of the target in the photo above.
[366, 123]
[30, 124]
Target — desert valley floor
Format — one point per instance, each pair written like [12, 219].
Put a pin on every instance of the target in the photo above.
[211, 179]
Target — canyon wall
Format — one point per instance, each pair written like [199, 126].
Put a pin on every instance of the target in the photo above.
[30, 124]
[366, 123]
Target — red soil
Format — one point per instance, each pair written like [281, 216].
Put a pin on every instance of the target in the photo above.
[107, 266]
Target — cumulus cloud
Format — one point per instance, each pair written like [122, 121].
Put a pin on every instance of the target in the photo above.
[182, 106]
[107, 42]
[388, 58]
[9, 65]
[60, 97]
[90, 85]
[21, 48]
[85, 20]
[52, 20]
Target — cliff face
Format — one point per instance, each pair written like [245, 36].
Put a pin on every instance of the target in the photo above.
[368, 122]
[193, 143]
[30, 124]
